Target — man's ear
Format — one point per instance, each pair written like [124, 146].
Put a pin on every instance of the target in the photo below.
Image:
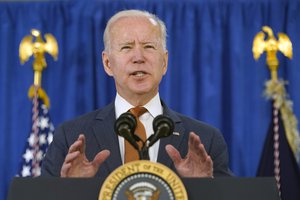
[106, 63]
[165, 64]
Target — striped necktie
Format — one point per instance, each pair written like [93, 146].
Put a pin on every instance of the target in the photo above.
[131, 154]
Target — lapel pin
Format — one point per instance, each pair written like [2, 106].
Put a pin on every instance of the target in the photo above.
[176, 133]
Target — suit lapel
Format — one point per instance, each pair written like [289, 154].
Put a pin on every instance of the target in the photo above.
[174, 139]
[106, 137]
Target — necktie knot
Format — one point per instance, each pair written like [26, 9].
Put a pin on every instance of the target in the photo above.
[138, 111]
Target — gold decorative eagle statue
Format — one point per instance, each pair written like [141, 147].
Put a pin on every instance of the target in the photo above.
[271, 46]
[38, 48]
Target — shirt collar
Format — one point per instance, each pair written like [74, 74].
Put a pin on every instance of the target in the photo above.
[154, 106]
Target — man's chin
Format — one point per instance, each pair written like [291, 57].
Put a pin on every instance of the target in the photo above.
[144, 92]
[141, 89]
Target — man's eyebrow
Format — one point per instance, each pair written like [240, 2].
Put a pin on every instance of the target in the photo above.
[133, 42]
[151, 43]
[126, 43]
[148, 42]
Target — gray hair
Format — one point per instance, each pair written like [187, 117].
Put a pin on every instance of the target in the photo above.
[134, 13]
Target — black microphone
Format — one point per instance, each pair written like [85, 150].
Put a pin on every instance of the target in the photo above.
[163, 126]
[125, 126]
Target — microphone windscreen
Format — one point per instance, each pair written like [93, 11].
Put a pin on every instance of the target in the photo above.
[165, 124]
[125, 121]
[125, 126]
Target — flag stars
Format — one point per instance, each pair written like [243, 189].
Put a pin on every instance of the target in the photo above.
[31, 139]
[42, 139]
[43, 123]
[28, 155]
[26, 171]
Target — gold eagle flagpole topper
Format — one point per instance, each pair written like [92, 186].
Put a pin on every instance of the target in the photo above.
[38, 48]
[271, 46]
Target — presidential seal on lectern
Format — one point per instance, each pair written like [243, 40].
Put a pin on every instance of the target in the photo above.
[143, 180]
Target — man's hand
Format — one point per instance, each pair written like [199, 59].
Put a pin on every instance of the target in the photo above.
[196, 163]
[77, 165]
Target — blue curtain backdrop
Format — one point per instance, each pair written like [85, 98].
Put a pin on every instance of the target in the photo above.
[212, 75]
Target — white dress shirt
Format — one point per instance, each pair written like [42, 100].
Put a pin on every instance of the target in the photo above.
[154, 108]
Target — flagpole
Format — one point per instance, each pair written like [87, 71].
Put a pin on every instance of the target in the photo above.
[37, 49]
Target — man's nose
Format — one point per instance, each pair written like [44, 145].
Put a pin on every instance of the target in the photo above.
[138, 56]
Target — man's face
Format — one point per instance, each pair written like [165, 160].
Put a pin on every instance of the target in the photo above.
[136, 58]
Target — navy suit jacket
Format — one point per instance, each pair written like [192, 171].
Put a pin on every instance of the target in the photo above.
[98, 128]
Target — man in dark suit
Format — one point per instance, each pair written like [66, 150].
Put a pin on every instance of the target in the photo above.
[135, 55]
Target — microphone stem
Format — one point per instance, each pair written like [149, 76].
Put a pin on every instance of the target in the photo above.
[144, 153]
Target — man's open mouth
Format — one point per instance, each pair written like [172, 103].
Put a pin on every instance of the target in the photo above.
[139, 73]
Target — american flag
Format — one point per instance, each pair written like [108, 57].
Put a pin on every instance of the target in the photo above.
[40, 137]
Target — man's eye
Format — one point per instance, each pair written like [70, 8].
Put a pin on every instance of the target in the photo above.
[150, 47]
[125, 47]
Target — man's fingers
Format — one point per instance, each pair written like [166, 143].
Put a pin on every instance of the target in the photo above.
[196, 145]
[202, 152]
[194, 141]
[82, 147]
[100, 158]
[174, 154]
[73, 153]
[210, 166]
[75, 146]
[209, 160]
[68, 163]
[71, 156]
[64, 169]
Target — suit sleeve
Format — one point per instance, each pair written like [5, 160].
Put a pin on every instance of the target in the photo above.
[55, 155]
[219, 154]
